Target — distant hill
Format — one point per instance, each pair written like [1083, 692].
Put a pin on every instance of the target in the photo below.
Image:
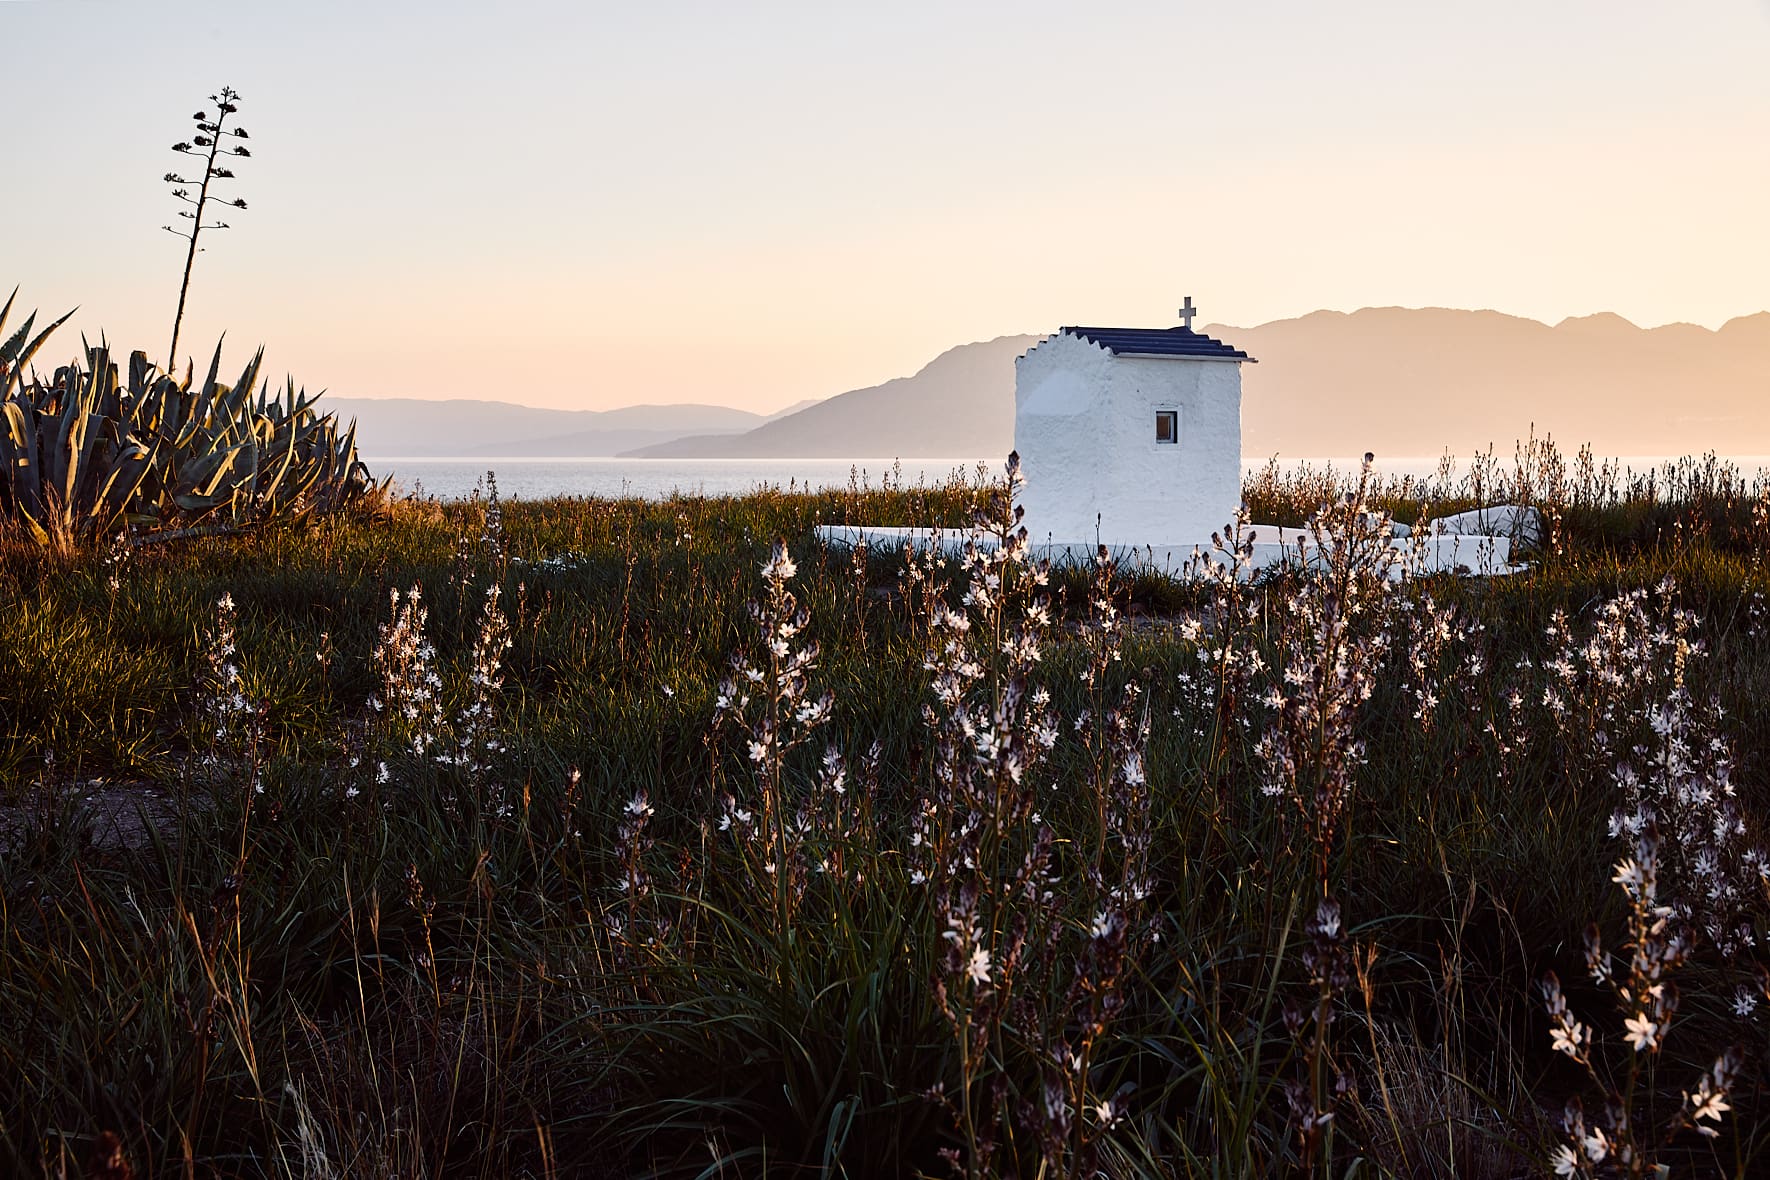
[404, 426]
[1404, 381]
[795, 408]
[1399, 381]
[960, 403]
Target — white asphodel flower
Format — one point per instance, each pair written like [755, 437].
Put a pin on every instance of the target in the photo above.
[1569, 1038]
[978, 967]
[1642, 1032]
[779, 564]
[1709, 1103]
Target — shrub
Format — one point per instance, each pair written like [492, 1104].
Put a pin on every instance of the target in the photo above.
[87, 454]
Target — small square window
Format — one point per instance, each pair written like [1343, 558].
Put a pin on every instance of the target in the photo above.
[1167, 426]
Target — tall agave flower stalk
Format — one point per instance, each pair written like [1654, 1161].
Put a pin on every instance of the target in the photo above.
[205, 146]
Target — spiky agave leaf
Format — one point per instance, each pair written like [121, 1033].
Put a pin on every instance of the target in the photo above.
[86, 453]
[15, 353]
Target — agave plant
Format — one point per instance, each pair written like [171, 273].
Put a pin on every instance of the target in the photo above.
[87, 453]
[55, 441]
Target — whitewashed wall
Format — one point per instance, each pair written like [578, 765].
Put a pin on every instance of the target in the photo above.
[1084, 425]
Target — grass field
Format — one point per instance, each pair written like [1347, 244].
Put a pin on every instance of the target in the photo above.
[608, 838]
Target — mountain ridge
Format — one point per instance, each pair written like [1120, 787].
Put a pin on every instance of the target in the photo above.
[404, 427]
[1396, 380]
[960, 389]
[1393, 379]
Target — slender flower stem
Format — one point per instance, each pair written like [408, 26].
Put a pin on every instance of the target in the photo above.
[225, 102]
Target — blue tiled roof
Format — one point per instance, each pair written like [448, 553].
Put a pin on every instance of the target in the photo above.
[1158, 342]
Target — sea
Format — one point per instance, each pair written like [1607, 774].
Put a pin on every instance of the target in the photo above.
[453, 478]
[659, 479]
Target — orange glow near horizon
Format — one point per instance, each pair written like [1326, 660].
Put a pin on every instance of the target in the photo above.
[589, 206]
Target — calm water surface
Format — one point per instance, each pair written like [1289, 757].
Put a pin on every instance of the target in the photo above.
[658, 479]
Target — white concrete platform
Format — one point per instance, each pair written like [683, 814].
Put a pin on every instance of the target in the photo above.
[1418, 554]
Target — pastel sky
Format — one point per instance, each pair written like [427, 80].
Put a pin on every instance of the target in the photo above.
[586, 204]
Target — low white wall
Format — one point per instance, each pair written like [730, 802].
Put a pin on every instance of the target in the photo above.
[1418, 555]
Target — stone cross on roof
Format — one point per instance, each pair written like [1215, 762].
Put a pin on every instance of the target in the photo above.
[1186, 314]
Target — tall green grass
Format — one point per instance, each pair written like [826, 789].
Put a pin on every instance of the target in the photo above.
[320, 955]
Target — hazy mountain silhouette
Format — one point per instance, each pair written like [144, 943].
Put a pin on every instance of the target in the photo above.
[399, 426]
[1417, 381]
[959, 404]
[1398, 381]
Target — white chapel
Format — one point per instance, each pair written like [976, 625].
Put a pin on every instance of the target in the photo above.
[1129, 436]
